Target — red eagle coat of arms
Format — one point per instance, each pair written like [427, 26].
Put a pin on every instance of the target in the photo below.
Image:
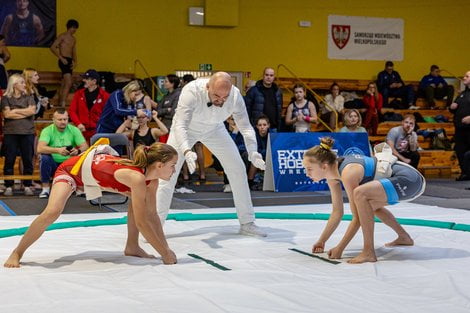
[340, 35]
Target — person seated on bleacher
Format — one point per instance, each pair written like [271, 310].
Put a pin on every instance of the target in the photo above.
[335, 102]
[87, 104]
[352, 121]
[31, 78]
[57, 143]
[390, 84]
[237, 137]
[301, 112]
[404, 141]
[433, 86]
[121, 104]
[18, 111]
[262, 128]
[373, 101]
[143, 135]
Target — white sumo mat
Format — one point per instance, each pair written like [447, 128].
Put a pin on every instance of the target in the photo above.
[84, 270]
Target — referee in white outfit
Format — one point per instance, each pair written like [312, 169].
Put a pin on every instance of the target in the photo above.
[203, 106]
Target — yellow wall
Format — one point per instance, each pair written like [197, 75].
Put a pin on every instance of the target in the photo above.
[113, 33]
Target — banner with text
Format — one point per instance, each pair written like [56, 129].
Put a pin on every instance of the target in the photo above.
[365, 38]
[284, 169]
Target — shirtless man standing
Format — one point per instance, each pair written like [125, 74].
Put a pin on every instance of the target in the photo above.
[64, 48]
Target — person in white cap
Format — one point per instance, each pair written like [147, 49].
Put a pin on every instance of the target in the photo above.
[203, 106]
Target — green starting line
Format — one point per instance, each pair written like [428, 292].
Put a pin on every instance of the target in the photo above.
[210, 262]
[225, 216]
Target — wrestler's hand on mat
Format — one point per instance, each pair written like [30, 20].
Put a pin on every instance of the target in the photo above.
[318, 247]
[169, 257]
[190, 158]
[257, 160]
[335, 253]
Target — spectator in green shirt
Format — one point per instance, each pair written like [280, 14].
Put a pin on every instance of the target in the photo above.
[57, 142]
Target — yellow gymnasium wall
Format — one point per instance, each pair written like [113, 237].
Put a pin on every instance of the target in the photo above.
[113, 34]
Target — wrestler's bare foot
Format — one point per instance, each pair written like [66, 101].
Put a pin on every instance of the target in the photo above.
[363, 257]
[13, 260]
[138, 252]
[401, 241]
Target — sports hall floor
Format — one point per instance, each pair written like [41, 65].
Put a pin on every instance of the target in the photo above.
[82, 269]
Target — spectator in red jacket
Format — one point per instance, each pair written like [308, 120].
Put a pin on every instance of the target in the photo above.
[373, 101]
[87, 104]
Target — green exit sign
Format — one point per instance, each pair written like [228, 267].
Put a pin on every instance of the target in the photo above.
[205, 67]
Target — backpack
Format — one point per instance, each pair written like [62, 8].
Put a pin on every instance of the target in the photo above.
[440, 140]
[391, 116]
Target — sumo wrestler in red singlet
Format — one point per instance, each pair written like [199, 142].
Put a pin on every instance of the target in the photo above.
[103, 168]
[137, 178]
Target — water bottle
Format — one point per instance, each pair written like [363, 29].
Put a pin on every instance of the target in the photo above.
[103, 83]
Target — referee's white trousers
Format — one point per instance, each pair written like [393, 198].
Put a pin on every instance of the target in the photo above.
[219, 142]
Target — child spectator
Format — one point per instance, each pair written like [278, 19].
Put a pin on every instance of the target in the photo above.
[301, 112]
[262, 131]
[373, 101]
[239, 142]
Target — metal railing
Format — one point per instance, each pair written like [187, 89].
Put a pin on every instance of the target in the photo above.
[137, 62]
[319, 98]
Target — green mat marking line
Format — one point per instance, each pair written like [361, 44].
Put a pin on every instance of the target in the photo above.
[224, 216]
[315, 256]
[210, 262]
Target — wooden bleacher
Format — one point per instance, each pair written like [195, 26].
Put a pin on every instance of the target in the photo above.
[55, 78]
[16, 170]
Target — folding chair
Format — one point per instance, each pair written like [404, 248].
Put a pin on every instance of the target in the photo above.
[117, 141]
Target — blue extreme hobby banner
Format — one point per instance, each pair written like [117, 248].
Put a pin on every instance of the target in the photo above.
[286, 154]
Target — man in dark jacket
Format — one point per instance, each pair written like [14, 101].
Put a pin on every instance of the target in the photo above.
[390, 84]
[433, 86]
[461, 110]
[265, 98]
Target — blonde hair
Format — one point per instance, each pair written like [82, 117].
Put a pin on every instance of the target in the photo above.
[322, 153]
[12, 81]
[347, 119]
[133, 85]
[30, 88]
[147, 155]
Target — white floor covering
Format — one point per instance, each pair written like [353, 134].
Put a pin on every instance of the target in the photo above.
[84, 270]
